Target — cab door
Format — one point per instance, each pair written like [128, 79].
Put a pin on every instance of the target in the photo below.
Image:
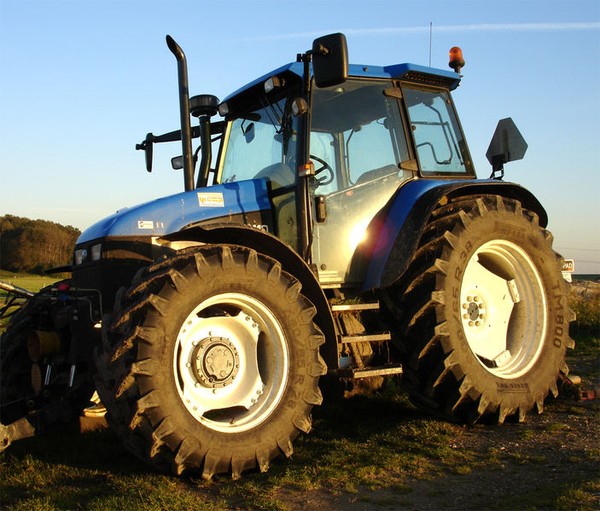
[358, 143]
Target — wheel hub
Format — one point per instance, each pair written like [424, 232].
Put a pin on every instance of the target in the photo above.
[217, 362]
[473, 311]
[231, 362]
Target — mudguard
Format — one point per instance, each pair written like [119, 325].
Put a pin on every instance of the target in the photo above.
[398, 229]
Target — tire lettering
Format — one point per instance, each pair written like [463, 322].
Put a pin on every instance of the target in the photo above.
[465, 253]
[456, 299]
[507, 229]
[558, 306]
[512, 387]
[463, 257]
[457, 273]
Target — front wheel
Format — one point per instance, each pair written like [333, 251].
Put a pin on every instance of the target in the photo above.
[213, 362]
[485, 320]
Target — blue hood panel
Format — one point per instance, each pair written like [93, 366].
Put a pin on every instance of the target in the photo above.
[171, 214]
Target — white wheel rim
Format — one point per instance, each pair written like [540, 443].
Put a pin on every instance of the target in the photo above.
[231, 362]
[503, 309]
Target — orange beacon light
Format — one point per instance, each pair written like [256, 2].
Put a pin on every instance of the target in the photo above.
[456, 59]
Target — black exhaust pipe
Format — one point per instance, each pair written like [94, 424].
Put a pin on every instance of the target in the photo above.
[184, 110]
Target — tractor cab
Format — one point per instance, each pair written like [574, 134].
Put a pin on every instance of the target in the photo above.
[334, 165]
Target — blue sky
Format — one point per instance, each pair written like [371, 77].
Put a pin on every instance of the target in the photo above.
[81, 82]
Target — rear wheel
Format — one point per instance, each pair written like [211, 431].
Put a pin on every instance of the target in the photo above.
[482, 314]
[212, 362]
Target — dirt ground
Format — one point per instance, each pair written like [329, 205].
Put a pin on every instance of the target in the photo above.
[524, 465]
[558, 453]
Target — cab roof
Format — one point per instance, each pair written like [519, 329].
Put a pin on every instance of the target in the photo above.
[409, 72]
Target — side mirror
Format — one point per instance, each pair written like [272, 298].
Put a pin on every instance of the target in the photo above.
[146, 146]
[330, 60]
[507, 144]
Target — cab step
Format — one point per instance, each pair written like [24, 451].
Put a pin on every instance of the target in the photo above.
[351, 307]
[347, 339]
[356, 343]
[368, 372]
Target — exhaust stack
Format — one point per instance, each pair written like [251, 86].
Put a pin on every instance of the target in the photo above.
[184, 111]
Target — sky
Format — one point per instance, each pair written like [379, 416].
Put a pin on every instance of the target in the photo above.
[81, 82]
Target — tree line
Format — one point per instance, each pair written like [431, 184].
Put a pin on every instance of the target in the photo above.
[34, 246]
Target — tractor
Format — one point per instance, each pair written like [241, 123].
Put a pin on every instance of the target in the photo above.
[331, 229]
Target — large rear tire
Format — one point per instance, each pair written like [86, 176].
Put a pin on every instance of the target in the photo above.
[212, 362]
[482, 314]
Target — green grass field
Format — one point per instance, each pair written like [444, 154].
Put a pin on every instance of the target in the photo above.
[23, 280]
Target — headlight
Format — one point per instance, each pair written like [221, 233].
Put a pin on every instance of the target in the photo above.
[88, 254]
[80, 256]
[96, 251]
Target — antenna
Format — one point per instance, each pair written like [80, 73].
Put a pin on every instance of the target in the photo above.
[430, 32]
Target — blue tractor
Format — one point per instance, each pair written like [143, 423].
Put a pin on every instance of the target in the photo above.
[331, 228]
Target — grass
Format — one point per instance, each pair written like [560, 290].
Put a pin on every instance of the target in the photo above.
[374, 450]
[23, 280]
[586, 328]
[379, 451]
[26, 280]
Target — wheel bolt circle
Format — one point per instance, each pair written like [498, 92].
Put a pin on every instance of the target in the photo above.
[474, 308]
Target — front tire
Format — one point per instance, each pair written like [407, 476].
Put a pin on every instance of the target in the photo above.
[212, 362]
[482, 314]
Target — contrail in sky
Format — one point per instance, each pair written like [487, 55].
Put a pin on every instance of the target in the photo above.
[475, 27]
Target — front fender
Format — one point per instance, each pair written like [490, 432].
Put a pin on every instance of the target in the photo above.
[398, 232]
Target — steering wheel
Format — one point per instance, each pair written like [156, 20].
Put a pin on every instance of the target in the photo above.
[325, 180]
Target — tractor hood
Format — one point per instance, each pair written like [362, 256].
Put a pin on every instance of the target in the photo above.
[176, 212]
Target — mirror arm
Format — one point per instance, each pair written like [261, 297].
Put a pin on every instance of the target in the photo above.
[497, 168]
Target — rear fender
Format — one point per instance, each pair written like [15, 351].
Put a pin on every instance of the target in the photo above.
[290, 261]
[396, 234]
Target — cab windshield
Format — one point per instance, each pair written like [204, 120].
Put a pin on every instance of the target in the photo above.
[262, 143]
